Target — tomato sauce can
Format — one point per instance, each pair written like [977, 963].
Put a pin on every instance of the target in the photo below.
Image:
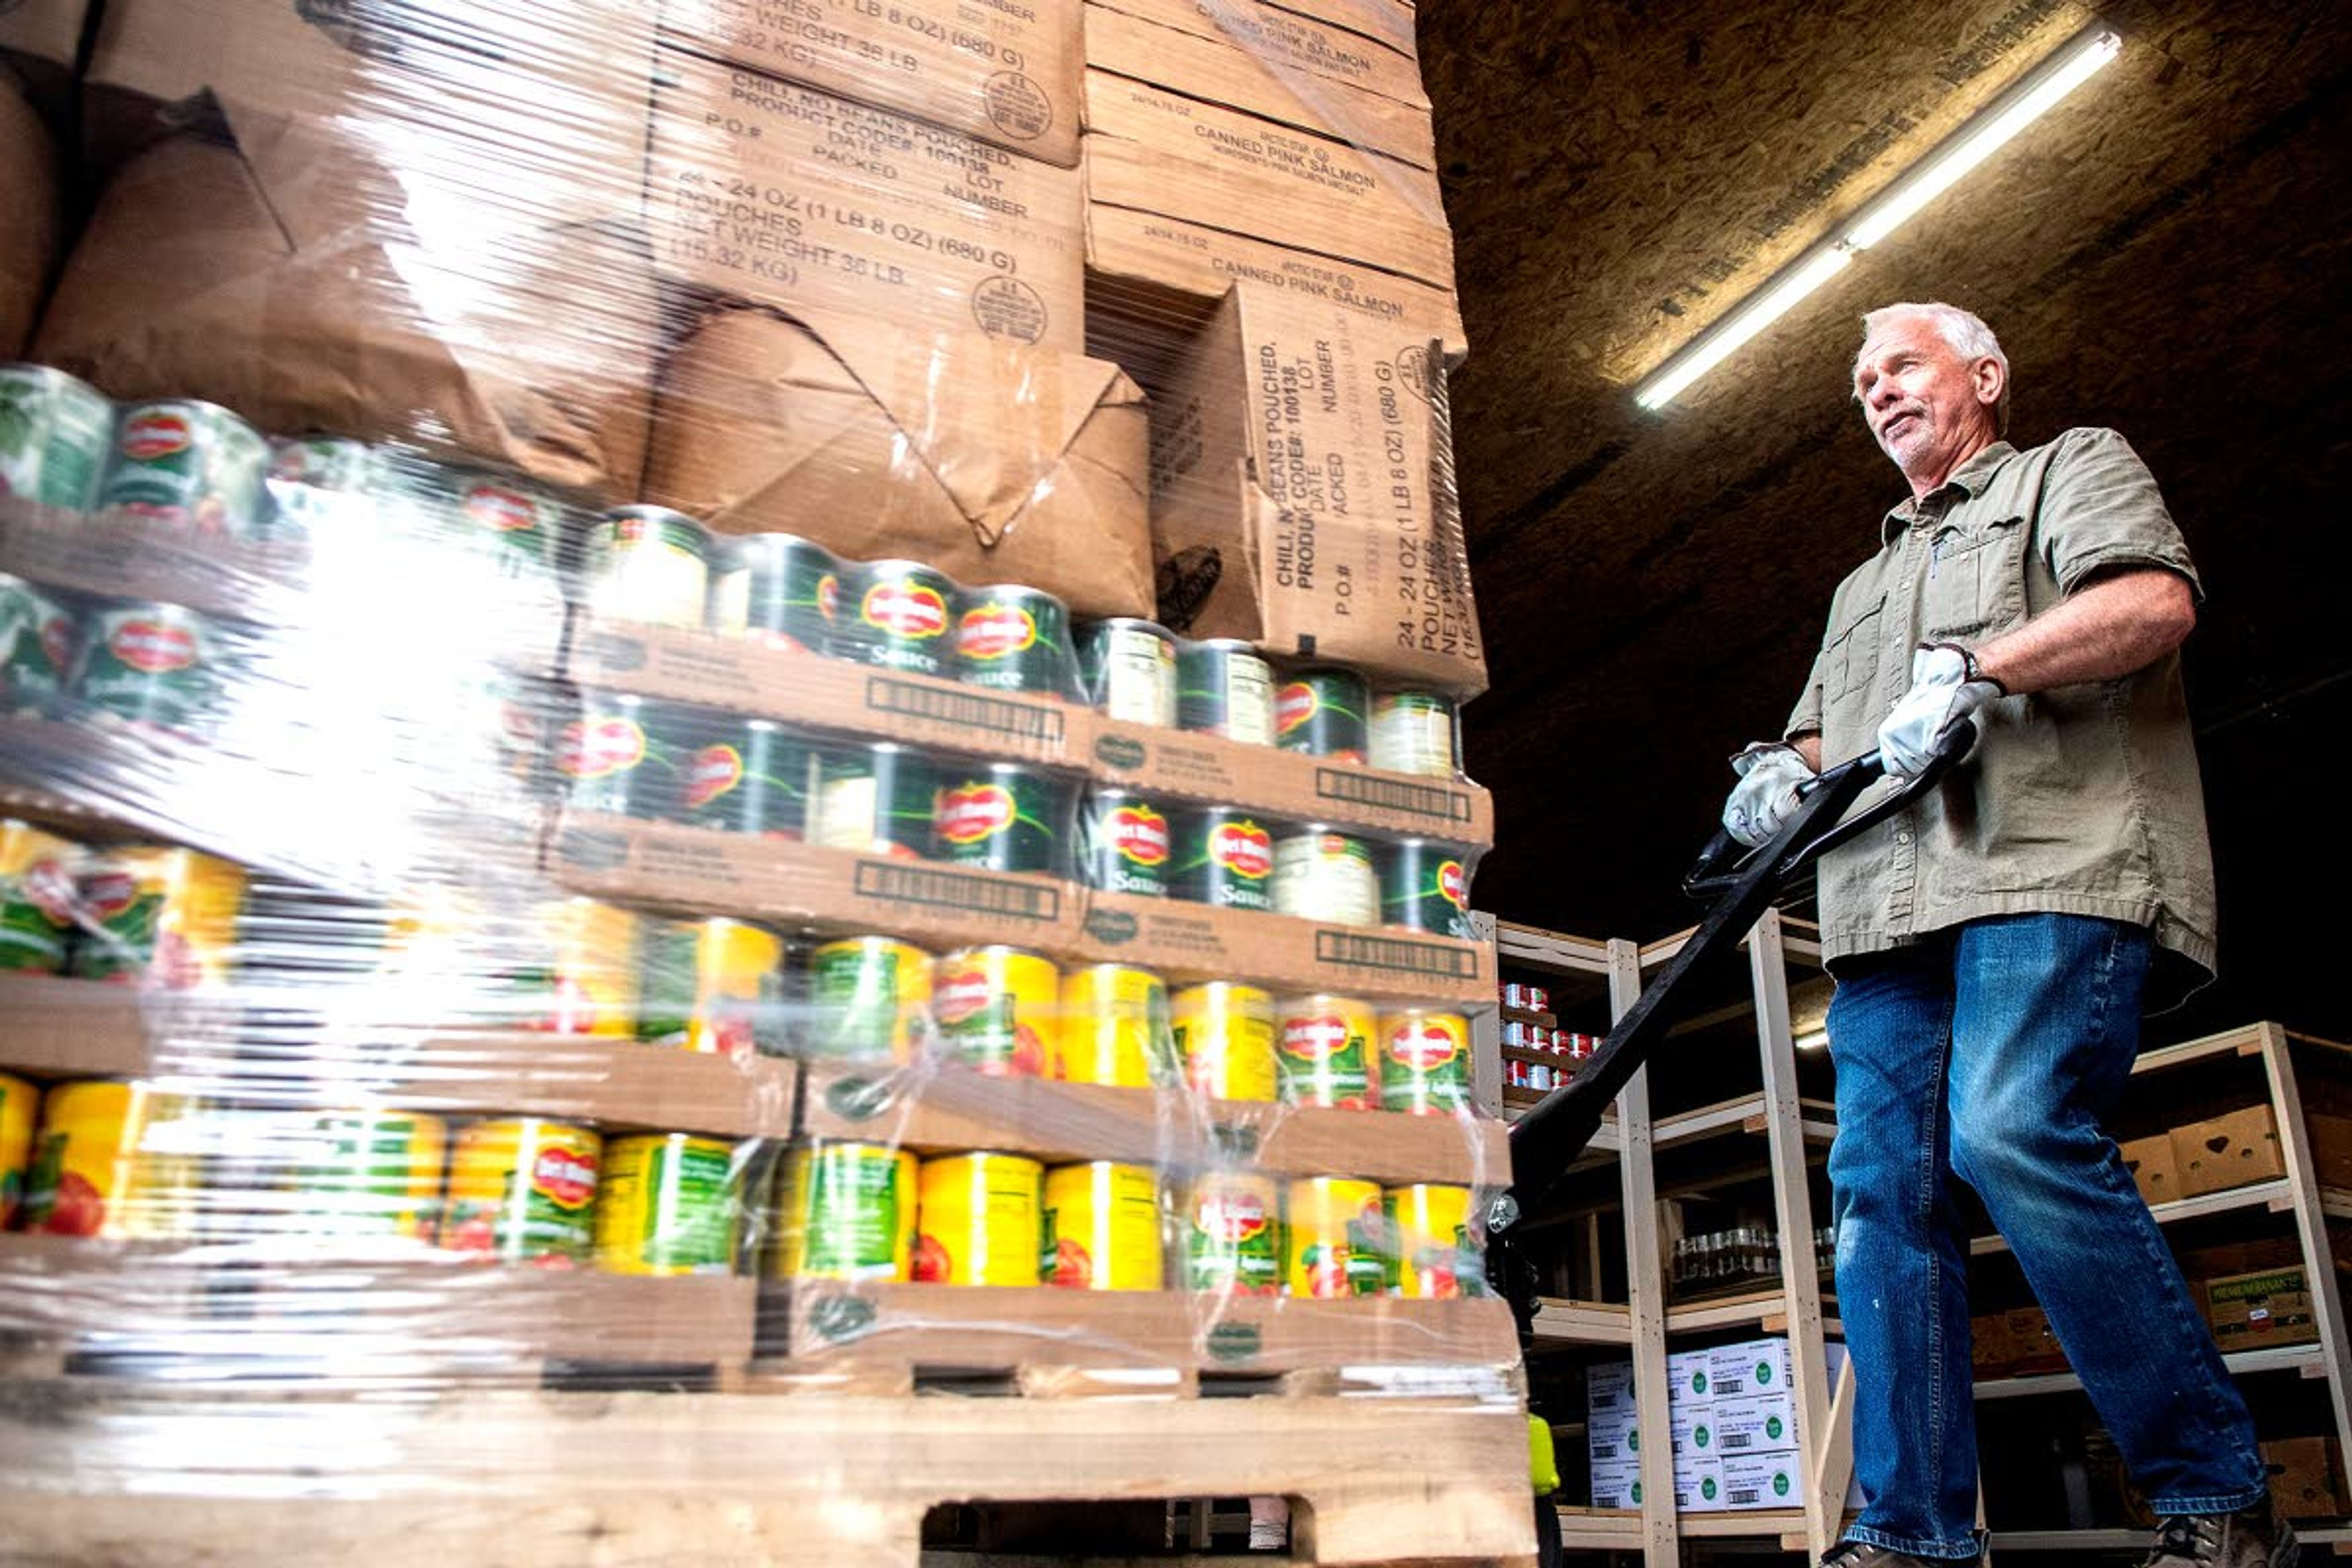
[1012, 638]
[744, 775]
[1325, 873]
[1225, 859]
[895, 614]
[875, 800]
[627, 756]
[1234, 1234]
[523, 1190]
[1424, 1062]
[714, 986]
[667, 1203]
[1326, 1052]
[575, 969]
[116, 1160]
[869, 999]
[36, 898]
[1114, 1028]
[1224, 1034]
[20, 1110]
[1224, 688]
[318, 482]
[63, 428]
[1412, 732]
[1128, 841]
[1436, 1253]
[1335, 1238]
[153, 666]
[38, 638]
[1005, 816]
[983, 1220]
[845, 1210]
[995, 1007]
[775, 589]
[158, 917]
[647, 564]
[366, 1173]
[1426, 886]
[189, 466]
[1129, 670]
[1103, 1227]
[1322, 712]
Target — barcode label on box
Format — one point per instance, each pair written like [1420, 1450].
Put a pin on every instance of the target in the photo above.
[975, 893]
[965, 709]
[1352, 788]
[1358, 950]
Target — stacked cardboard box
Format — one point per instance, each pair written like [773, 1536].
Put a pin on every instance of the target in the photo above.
[1267, 251]
[1732, 1420]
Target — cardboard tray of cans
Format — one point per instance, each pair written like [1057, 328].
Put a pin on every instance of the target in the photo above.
[780, 881]
[761, 680]
[118, 555]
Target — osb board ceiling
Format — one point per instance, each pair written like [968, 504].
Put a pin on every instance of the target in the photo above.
[2165, 253]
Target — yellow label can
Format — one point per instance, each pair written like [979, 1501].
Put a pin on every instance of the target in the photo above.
[36, 899]
[983, 1220]
[1103, 1227]
[157, 917]
[1424, 1062]
[366, 1173]
[1224, 1033]
[115, 1159]
[1435, 1256]
[579, 968]
[1115, 1027]
[20, 1105]
[1327, 1052]
[845, 1210]
[667, 1203]
[995, 1009]
[711, 985]
[1336, 1241]
[869, 999]
[524, 1191]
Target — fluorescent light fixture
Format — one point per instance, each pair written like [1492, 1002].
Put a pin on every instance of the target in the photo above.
[1811, 1040]
[2028, 101]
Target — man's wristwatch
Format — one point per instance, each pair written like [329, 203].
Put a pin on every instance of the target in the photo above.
[1970, 671]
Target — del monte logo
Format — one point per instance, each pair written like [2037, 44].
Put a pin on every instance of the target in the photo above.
[974, 812]
[904, 609]
[961, 994]
[714, 770]
[1314, 1039]
[500, 510]
[108, 894]
[1293, 706]
[1244, 848]
[599, 748]
[1452, 884]
[567, 1177]
[153, 648]
[1423, 1048]
[1231, 1217]
[994, 630]
[148, 436]
[1140, 834]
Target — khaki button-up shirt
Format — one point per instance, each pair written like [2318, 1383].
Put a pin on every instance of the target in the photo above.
[2080, 800]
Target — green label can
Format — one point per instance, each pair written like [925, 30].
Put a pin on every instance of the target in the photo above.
[1324, 873]
[1128, 667]
[1012, 638]
[36, 647]
[503, 518]
[153, 666]
[667, 1203]
[1425, 886]
[625, 756]
[1224, 687]
[845, 1210]
[647, 564]
[1412, 732]
[1128, 843]
[1233, 1239]
[187, 465]
[1322, 712]
[36, 898]
[1005, 817]
[869, 999]
[876, 800]
[745, 775]
[895, 614]
[1226, 860]
[777, 589]
[320, 481]
[55, 434]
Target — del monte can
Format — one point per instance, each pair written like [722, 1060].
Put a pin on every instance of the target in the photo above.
[38, 634]
[1005, 817]
[624, 756]
[1224, 688]
[1012, 638]
[1426, 886]
[777, 589]
[55, 433]
[1129, 670]
[894, 613]
[1130, 843]
[744, 775]
[188, 466]
[1321, 712]
[1227, 859]
[154, 666]
[647, 564]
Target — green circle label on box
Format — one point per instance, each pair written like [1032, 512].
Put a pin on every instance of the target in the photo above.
[1780, 1484]
[1763, 1372]
[1773, 1427]
[1700, 1436]
[1706, 1489]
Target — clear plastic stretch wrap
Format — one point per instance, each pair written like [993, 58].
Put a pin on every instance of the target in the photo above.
[712, 714]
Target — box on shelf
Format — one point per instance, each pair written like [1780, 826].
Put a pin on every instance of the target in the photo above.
[1698, 1483]
[1389, 22]
[1749, 1368]
[2034, 1346]
[1153, 151]
[1296, 501]
[1762, 1480]
[1764, 1424]
[1992, 1345]
[2224, 1151]
[1617, 1483]
[2270, 1307]
[1003, 74]
[786, 195]
[1609, 1389]
[1273, 63]
[28, 194]
[2308, 1484]
[2150, 1161]
[1690, 1379]
[990, 461]
[1690, 1426]
[2331, 1148]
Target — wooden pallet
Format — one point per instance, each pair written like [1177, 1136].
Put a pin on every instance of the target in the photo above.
[131, 1477]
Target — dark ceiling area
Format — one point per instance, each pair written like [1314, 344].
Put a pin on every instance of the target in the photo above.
[2167, 253]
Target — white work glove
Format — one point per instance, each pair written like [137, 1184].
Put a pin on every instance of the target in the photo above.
[1766, 796]
[1941, 695]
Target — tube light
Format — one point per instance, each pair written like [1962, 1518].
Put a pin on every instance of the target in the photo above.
[2032, 96]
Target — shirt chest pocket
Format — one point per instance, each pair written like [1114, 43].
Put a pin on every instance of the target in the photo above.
[1851, 658]
[1976, 579]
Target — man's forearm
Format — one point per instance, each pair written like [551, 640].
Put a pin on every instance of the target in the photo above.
[2114, 626]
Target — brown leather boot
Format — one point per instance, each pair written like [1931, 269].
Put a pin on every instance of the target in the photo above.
[2253, 1536]
[1862, 1554]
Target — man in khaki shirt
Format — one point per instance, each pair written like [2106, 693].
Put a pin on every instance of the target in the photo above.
[1992, 945]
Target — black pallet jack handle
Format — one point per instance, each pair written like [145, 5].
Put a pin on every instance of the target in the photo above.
[1742, 882]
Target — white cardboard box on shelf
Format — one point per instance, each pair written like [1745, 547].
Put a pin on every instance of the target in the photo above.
[1757, 1425]
[1692, 1429]
[1761, 1480]
[1698, 1483]
[1750, 1368]
[1616, 1483]
[1691, 1376]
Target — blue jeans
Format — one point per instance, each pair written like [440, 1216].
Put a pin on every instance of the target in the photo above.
[1989, 1052]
